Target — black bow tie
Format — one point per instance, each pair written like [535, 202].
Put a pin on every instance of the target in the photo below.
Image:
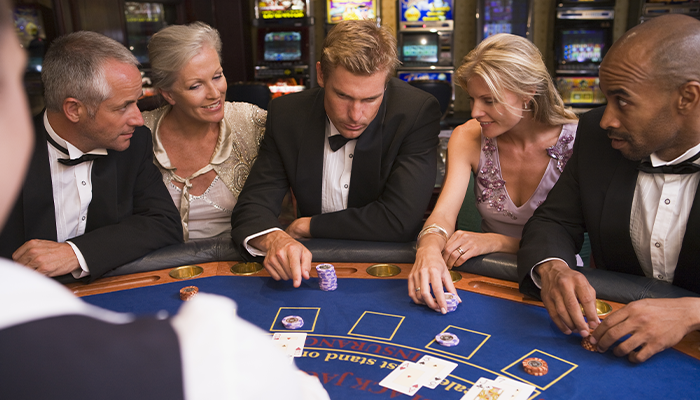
[73, 161]
[684, 167]
[337, 141]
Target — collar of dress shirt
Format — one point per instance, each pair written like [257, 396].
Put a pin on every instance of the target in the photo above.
[73, 152]
[657, 162]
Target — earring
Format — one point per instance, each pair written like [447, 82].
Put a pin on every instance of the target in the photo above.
[525, 106]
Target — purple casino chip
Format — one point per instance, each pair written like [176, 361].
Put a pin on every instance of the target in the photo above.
[452, 302]
[447, 339]
[328, 281]
[292, 322]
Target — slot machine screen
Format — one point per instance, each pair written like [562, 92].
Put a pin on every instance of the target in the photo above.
[282, 46]
[425, 10]
[505, 16]
[420, 47]
[281, 10]
[583, 45]
[344, 10]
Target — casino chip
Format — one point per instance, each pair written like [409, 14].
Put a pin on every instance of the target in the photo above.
[452, 301]
[328, 281]
[447, 339]
[292, 322]
[188, 292]
[535, 366]
[586, 343]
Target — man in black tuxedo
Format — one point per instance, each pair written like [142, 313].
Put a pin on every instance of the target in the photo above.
[92, 200]
[631, 183]
[374, 183]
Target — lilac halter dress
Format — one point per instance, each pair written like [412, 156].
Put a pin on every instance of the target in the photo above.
[498, 212]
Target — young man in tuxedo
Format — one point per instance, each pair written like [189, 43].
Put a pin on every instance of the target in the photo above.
[359, 153]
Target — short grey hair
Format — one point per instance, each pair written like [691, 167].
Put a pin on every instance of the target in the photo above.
[74, 66]
[174, 46]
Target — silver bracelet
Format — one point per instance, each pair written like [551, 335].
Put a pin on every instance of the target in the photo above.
[432, 229]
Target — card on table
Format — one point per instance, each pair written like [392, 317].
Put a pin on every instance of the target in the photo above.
[406, 378]
[292, 343]
[438, 370]
[486, 389]
[518, 390]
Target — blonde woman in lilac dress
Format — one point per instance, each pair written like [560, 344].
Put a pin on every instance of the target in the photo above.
[516, 144]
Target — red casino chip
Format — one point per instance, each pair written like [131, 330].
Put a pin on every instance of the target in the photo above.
[188, 292]
[535, 366]
[586, 343]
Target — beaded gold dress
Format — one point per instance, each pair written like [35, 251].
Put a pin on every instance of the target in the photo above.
[240, 134]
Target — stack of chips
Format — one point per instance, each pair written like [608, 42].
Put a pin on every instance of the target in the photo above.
[452, 301]
[327, 278]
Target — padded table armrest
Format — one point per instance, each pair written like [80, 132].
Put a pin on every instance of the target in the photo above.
[609, 285]
[221, 249]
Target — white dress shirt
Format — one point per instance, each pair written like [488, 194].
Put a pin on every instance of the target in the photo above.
[660, 211]
[335, 186]
[659, 216]
[72, 193]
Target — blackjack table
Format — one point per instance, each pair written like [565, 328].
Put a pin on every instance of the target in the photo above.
[358, 333]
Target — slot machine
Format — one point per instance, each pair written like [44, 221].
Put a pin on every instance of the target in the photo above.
[583, 33]
[425, 40]
[343, 10]
[655, 8]
[285, 58]
[504, 16]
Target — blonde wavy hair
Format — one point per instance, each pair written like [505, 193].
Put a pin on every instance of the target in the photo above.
[512, 63]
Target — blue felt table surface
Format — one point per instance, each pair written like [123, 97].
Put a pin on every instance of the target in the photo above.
[359, 332]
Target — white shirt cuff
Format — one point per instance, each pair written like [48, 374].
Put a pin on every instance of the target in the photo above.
[252, 250]
[536, 277]
[83, 271]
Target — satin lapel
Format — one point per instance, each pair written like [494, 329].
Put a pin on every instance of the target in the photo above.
[618, 253]
[687, 270]
[309, 173]
[103, 207]
[37, 194]
[367, 162]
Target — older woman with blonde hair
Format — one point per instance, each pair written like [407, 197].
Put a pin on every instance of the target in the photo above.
[517, 145]
[203, 145]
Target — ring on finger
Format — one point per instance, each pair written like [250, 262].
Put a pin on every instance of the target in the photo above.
[461, 252]
[417, 289]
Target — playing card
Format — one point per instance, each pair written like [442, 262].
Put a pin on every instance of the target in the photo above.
[438, 370]
[406, 378]
[517, 390]
[486, 389]
[292, 343]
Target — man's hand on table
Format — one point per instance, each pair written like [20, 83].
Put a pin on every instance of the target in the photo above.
[562, 291]
[654, 325]
[286, 258]
[47, 257]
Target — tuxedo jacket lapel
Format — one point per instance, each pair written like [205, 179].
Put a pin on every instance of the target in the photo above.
[367, 162]
[37, 193]
[102, 210]
[688, 269]
[309, 173]
[615, 220]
